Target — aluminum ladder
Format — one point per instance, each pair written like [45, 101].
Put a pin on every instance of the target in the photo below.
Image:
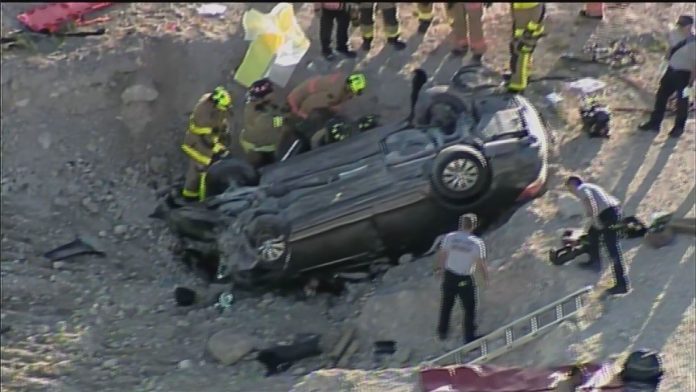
[515, 334]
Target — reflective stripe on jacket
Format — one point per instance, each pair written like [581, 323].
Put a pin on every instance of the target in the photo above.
[523, 6]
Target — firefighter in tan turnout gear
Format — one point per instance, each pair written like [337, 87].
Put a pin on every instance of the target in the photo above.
[202, 142]
[467, 28]
[527, 28]
[264, 124]
[391, 24]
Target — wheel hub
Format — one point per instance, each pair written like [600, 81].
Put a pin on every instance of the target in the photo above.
[460, 175]
[272, 249]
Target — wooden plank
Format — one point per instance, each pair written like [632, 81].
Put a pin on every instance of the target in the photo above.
[352, 349]
[342, 344]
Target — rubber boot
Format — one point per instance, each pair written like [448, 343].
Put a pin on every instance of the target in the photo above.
[396, 43]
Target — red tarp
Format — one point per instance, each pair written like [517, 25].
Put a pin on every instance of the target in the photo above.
[472, 378]
[50, 18]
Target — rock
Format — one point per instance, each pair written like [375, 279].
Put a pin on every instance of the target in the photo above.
[158, 164]
[120, 229]
[90, 205]
[110, 363]
[569, 207]
[185, 364]
[139, 93]
[299, 371]
[22, 103]
[45, 140]
[58, 265]
[228, 346]
[60, 202]
[102, 233]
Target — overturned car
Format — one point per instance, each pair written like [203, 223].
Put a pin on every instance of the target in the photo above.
[379, 194]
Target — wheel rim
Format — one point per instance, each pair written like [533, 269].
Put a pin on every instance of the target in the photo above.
[272, 249]
[460, 175]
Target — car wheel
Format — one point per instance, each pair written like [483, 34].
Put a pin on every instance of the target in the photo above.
[460, 172]
[227, 173]
[443, 111]
[643, 366]
[194, 222]
[269, 235]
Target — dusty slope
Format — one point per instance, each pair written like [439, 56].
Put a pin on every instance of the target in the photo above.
[75, 160]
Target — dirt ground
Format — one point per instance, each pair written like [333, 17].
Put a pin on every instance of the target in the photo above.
[79, 161]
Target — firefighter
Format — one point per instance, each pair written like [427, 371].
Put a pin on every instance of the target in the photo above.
[264, 124]
[467, 28]
[527, 28]
[424, 12]
[325, 92]
[593, 11]
[202, 144]
[391, 24]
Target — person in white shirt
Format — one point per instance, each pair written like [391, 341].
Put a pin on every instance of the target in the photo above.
[604, 210]
[461, 256]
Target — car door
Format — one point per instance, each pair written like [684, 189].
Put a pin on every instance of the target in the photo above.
[405, 217]
[342, 230]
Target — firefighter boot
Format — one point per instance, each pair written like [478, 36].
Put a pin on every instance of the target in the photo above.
[396, 43]
[366, 44]
[423, 26]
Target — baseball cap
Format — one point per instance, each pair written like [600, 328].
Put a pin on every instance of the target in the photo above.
[685, 20]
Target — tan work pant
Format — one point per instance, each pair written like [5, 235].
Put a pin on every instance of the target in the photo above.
[389, 17]
[194, 185]
[467, 27]
[594, 9]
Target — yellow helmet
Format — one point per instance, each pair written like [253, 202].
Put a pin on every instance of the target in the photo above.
[222, 98]
[356, 82]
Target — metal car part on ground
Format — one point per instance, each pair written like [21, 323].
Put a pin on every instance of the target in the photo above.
[378, 194]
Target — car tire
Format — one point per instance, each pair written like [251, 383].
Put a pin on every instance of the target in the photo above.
[443, 111]
[227, 173]
[643, 366]
[269, 235]
[460, 160]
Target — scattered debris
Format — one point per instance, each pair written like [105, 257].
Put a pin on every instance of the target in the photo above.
[279, 358]
[75, 248]
[585, 86]
[184, 296]
[211, 9]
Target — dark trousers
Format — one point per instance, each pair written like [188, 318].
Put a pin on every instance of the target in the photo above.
[672, 81]
[326, 24]
[461, 286]
[609, 217]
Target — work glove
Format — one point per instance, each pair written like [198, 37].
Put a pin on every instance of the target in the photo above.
[219, 155]
[278, 121]
[367, 122]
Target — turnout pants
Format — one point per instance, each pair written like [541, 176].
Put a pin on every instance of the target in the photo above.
[454, 285]
[367, 19]
[194, 185]
[673, 81]
[523, 43]
[326, 24]
[467, 26]
[609, 217]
